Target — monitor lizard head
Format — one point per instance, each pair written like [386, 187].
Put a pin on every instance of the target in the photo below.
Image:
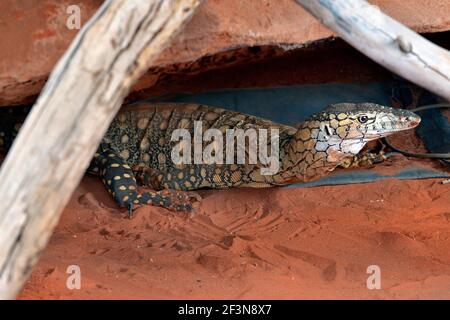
[346, 127]
[340, 131]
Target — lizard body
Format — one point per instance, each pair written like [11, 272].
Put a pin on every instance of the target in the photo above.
[138, 149]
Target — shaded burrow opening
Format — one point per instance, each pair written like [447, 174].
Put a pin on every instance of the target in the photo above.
[320, 62]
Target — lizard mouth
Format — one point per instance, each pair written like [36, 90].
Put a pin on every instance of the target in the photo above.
[391, 126]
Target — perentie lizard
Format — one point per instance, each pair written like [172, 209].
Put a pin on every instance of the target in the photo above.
[137, 149]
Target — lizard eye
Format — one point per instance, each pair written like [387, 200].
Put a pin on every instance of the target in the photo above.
[363, 119]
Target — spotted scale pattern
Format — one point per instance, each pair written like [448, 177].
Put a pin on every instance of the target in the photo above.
[137, 148]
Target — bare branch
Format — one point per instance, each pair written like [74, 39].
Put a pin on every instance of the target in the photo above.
[386, 41]
[74, 110]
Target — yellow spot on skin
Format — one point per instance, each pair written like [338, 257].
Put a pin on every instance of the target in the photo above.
[334, 123]
[115, 165]
[122, 188]
[142, 123]
[126, 175]
[163, 125]
[162, 141]
[117, 178]
[109, 182]
[166, 112]
[161, 158]
[125, 139]
[125, 198]
[132, 187]
[319, 155]
[300, 146]
[187, 184]
[191, 171]
[193, 179]
[203, 172]
[313, 124]
[309, 145]
[145, 144]
[136, 201]
[345, 122]
[126, 166]
[305, 134]
[341, 132]
[125, 154]
[139, 196]
[180, 175]
[341, 116]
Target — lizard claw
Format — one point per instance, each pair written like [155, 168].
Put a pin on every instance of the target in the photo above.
[130, 211]
[178, 200]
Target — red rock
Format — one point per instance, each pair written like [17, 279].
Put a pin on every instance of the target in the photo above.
[34, 34]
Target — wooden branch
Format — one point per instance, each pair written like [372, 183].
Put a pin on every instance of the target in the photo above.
[386, 41]
[73, 112]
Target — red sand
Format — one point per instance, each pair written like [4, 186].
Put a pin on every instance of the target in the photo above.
[272, 243]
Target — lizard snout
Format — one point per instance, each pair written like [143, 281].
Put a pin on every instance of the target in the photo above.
[413, 121]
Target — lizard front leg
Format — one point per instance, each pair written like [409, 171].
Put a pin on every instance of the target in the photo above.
[176, 199]
[365, 159]
[120, 182]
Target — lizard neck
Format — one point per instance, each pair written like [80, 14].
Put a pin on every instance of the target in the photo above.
[307, 156]
[306, 165]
